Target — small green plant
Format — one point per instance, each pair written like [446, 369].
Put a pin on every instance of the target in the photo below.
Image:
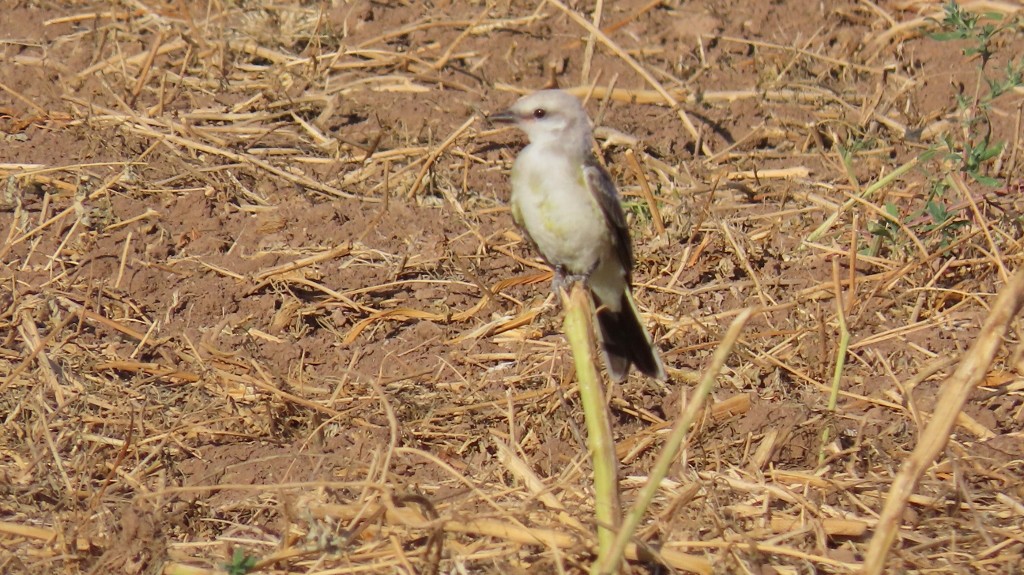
[974, 149]
[935, 220]
[970, 149]
[886, 228]
[939, 220]
[639, 208]
[241, 563]
[973, 155]
[960, 25]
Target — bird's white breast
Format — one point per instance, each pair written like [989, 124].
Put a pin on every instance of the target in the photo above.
[552, 201]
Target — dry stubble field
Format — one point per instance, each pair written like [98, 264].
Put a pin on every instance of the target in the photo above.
[262, 305]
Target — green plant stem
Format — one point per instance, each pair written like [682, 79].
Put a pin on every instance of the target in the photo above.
[870, 190]
[672, 446]
[579, 332]
[844, 345]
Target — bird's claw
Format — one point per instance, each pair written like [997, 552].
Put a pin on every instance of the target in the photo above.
[561, 280]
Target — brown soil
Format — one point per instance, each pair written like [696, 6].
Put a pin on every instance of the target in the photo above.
[260, 292]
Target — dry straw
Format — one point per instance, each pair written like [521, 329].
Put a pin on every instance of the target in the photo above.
[260, 294]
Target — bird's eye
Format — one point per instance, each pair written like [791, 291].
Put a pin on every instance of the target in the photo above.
[540, 113]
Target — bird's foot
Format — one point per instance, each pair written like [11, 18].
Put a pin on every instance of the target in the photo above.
[562, 280]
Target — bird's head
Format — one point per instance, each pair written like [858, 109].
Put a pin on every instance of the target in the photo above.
[549, 116]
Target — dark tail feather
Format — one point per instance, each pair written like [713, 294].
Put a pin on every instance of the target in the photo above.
[626, 342]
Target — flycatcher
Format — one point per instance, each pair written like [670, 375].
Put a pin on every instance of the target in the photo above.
[569, 208]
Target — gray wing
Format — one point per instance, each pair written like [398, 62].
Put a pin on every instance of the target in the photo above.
[601, 185]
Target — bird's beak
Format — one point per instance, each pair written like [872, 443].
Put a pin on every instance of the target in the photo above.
[504, 117]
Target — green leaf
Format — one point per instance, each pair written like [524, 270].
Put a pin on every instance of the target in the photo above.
[985, 180]
[947, 36]
[987, 152]
[937, 211]
[241, 564]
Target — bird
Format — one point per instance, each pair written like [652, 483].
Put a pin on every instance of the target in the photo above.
[569, 208]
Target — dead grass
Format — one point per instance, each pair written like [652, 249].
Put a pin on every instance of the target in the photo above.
[260, 293]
